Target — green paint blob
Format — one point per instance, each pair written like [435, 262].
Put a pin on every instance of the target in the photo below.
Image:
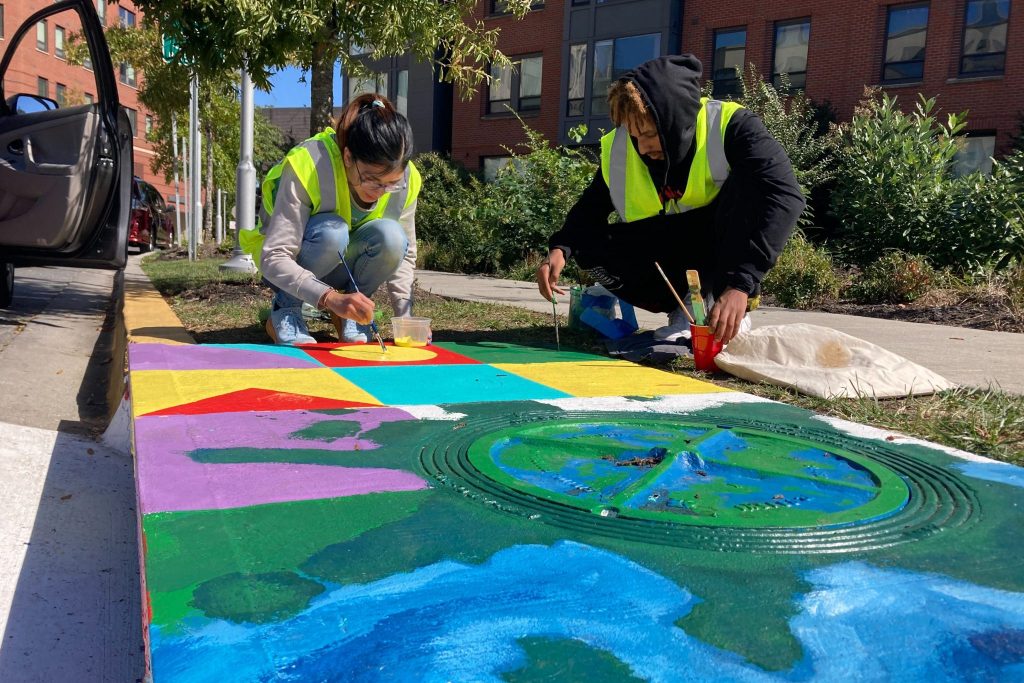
[501, 352]
[568, 660]
[255, 598]
[329, 430]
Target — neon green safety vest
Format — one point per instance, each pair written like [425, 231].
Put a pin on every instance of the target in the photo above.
[629, 182]
[317, 164]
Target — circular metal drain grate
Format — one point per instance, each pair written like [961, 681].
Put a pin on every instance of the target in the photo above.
[726, 484]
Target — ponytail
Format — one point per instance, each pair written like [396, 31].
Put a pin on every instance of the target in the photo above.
[374, 132]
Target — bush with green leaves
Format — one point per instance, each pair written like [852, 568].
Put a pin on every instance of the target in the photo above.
[895, 278]
[804, 275]
[530, 198]
[797, 124]
[450, 236]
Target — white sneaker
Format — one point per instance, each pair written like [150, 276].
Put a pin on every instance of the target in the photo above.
[678, 327]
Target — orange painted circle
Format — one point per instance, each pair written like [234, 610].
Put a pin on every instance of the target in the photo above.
[371, 353]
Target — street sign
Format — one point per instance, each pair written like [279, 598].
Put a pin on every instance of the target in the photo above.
[170, 49]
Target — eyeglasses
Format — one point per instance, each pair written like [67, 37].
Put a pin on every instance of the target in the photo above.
[378, 186]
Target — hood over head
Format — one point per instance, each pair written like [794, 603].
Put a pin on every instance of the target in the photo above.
[670, 85]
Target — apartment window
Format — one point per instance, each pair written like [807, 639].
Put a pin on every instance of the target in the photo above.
[375, 83]
[729, 57]
[89, 99]
[402, 93]
[791, 41]
[575, 101]
[127, 74]
[985, 23]
[501, 6]
[133, 119]
[975, 154]
[101, 11]
[516, 87]
[905, 35]
[60, 93]
[125, 18]
[41, 36]
[43, 87]
[58, 42]
[149, 125]
[492, 165]
[613, 58]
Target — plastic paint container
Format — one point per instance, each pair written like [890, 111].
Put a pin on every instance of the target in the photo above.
[705, 348]
[409, 331]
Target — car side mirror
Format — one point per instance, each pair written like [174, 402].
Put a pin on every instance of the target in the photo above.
[23, 103]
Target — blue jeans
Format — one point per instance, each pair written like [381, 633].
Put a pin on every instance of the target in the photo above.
[373, 252]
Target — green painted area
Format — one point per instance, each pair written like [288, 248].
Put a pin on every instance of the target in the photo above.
[329, 430]
[188, 548]
[305, 456]
[500, 352]
[255, 598]
[568, 660]
[550, 461]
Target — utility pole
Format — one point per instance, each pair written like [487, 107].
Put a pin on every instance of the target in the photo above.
[245, 180]
[177, 195]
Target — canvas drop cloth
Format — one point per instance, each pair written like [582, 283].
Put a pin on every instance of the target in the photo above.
[823, 362]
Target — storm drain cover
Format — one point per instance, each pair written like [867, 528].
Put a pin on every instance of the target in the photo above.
[719, 485]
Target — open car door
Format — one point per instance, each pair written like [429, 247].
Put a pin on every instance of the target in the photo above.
[65, 169]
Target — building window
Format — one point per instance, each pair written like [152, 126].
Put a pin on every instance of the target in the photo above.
[149, 125]
[975, 154]
[516, 87]
[101, 11]
[133, 119]
[58, 42]
[127, 74]
[41, 36]
[985, 23]
[905, 35]
[125, 18]
[89, 99]
[575, 101]
[60, 93]
[43, 87]
[499, 7]
[375, 83]
[402, 93]
[1, 22]
[730, 55]
[613, 58]
[791, 41]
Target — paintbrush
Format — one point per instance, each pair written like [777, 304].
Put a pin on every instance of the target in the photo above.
[355, 286]
[554, 316]
[674, 293]
[696, 300]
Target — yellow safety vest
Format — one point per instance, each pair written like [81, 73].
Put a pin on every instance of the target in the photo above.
[317, 163]
[632, 190]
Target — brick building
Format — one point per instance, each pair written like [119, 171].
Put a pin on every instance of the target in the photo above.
[42, 68]
[968, 53]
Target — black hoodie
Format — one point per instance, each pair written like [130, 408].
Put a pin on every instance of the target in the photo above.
[753, 215]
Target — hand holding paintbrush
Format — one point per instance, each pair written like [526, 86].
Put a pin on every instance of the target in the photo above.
[355, 286]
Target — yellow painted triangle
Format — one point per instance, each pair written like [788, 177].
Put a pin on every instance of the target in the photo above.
[609, 378]
[154, 390]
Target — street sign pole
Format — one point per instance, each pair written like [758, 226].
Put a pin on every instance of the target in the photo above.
[195, 147]
[245, 183]
[177, 194]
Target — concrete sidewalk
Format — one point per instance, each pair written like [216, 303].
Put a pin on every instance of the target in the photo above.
[974, 358]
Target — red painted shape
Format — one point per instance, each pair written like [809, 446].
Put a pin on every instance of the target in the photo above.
[247, 400]
[322, 354]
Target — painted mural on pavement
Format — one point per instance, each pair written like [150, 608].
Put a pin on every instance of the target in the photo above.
[476, 512]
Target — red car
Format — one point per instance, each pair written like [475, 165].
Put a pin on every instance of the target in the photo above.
[150, 223]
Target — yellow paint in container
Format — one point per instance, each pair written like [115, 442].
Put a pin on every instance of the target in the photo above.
[411, 331]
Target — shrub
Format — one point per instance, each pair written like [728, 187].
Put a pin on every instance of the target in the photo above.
[804, 275]
[530, 197]
[450, 237]
[895, 278]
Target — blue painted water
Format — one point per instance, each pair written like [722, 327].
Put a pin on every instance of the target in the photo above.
[1001, 472]
[456, 622]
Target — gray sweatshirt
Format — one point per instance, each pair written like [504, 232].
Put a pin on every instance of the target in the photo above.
[283, 238]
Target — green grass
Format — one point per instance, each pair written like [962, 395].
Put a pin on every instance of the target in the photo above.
[225, 308]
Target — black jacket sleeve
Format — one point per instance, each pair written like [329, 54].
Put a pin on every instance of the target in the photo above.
[761, 199]
[592, 208]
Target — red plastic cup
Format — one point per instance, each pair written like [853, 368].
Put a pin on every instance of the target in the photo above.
[705, 348]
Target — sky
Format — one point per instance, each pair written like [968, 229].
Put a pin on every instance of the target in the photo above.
[289, 92]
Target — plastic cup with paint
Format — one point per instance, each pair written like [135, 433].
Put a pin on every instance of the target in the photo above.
[410, 331]
[705, 348]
